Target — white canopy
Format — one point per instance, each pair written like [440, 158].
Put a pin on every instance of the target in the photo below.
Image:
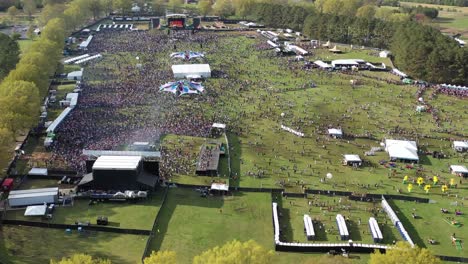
[352, 158]
[402, 149]
[219, 186]
[458, 169]
[460, 144]
[185, 70]
[219, 125]
[38, 171]
[117, 162]
[322, 64]
[335, 131]
[35, 210]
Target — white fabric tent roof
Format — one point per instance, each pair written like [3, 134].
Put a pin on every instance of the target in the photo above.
[352, 158]
[219, 186]
[402, 149]
[322, 64]
[460, 144]
[35, 210]
[458, 169]
[335, 131]
[218, 125]
[191, 69]
[38, 171]
[117, 162]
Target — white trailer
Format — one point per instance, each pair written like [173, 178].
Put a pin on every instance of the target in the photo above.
[33, 196]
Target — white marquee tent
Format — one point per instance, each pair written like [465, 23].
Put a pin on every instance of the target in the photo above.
[185, 70]
[402, 149]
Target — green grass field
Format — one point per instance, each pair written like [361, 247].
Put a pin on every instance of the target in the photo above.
[31, 245]
[138, 215]
[190, 224]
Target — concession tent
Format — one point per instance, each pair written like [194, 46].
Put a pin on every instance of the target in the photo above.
[185, 70]
[402, 150]
[36, 210]
[219, 125]
[459, 170]
[38, 172]
[352, 159]
[75, 75]
[219, 186]
[460, 146]
[335, 132]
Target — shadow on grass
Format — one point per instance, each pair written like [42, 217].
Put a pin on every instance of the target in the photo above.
[235, 153]
[320, 234]
[286, 231]
[408, 226]
[445, 19]
[424, 160]
[353, 228]
[388, 236]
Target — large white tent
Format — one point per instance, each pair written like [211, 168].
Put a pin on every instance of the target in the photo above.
[185, 70]
[117, 162]
[36, 210]
[402, 149]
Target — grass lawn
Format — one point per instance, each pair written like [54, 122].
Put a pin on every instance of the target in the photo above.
[31, 245]
[38, 183]
[190, 224]
[432, 223]
[139, 215]
[324, 210]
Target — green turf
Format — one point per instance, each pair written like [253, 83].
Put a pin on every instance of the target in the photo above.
[138, 215]
[32, 245]
[190, 224]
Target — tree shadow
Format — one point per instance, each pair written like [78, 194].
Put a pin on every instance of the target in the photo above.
[234, 153]
[353, 229]
[408, 226]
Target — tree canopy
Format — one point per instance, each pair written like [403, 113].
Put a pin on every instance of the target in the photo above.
[235, 252]
[160, 257]
[9, 54]
[403, 253]
[81, 259]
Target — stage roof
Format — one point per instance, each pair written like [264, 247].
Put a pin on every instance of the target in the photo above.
[117, 163]
[98, 153]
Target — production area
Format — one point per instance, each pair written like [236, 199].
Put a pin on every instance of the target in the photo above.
[186, 135]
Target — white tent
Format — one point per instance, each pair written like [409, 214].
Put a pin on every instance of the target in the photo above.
[336, 132]
[458, 169]
[185, 70]
[384, 53]
[402, 149]
[352, 158]
[75, 75]
[117, 162]
[322, 64]
[38, 172]
[219, 125]
[460, 146]
[35, 210]
[220, 186]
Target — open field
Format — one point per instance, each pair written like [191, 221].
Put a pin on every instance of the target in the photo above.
[451, 19]
[138, 215]
[31, 245]
[190, 224]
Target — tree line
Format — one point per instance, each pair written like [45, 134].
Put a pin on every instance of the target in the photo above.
[420, 50]
[443, 2]
[23, 89]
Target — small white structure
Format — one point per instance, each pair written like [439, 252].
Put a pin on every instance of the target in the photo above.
[322, 64]
[402, 150]
[347, 63]
[84, 45]
[384, 54]
[68, 61]
[335, 132]
[460, 146]
[75, 75]
[185, 70]
[352, 160]
[33, 196]
[36, 210]
[219, 125]
[219, 186]
[58, 120]
[399, 73]
[136, 9]
[459, 170]
[38, 172]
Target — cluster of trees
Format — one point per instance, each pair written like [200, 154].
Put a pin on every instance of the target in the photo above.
[424, 52]
[421, 51]
[9, 54]
[250, 252]
[22, 90]
[443, 2]
[427, 11]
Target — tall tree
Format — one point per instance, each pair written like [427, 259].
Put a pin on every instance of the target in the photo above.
[124, 6]
[223, 8]
[96, 8]
[12, 12]
[29, 7]
[366, 11]
[9, 54]
[160, 257]
[107, 5]
[6, 143]
[403, 253]
[236, 252]
[204, 6]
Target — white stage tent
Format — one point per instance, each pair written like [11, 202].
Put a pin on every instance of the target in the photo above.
[402, 149]
[58, 120]
[185, 70]
[35, 210]
[85, 44]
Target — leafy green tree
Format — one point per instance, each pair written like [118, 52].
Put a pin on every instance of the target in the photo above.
[329, 259]
[332, 6]
[96, 8]
[403, 253]
[236, 252]
[223, 8]
[29, 7]
[349, 7]
[124, 6]
[12, 12]
[243, 7]
[161, 257]
[6, 141]
[107, 6]
[9, 54]
[50, 12]
[81, 259]
[366, 11]
[173, 4]
[19, 105]
[204, 6]
[30, 73]
[54, 31]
